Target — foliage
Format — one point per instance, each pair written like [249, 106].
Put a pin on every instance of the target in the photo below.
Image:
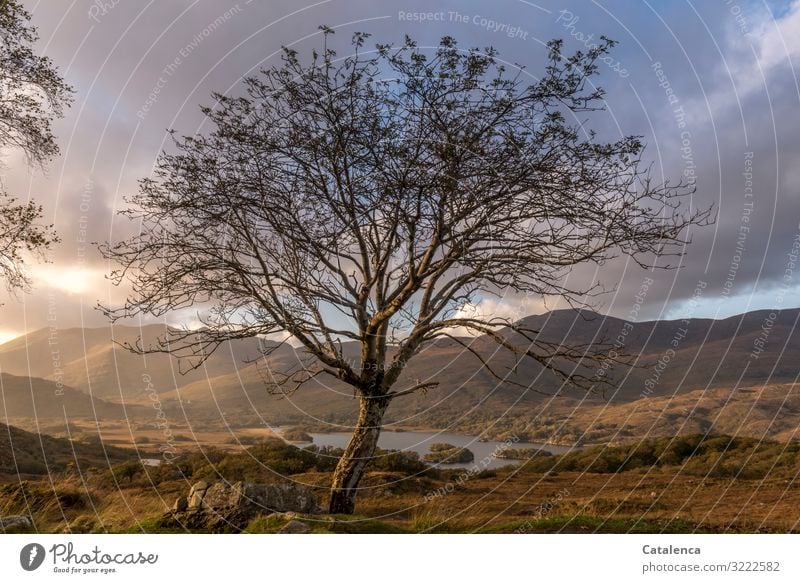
[446, 453]
[128, 470]
[407, 462]
[265, 462]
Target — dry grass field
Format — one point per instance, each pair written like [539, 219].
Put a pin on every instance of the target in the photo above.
[714, 485]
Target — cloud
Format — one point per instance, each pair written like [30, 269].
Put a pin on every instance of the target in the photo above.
[511, 308]
[71, 279]
[117, 58]
[777, 40]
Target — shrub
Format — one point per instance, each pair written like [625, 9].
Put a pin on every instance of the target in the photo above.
[127, 470]
[445, 453]
[407, 462]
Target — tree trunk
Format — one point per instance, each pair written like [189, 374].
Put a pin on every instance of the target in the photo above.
[357, 455]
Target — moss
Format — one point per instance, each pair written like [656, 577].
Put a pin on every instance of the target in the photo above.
[265, 525]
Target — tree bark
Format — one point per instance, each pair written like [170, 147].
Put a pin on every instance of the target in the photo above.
[357, 455]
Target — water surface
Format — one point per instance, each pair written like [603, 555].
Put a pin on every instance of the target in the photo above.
[420, 442]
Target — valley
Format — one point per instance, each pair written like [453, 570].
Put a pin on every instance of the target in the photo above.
[104, 413]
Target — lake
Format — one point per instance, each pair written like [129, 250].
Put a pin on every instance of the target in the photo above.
[420, 442]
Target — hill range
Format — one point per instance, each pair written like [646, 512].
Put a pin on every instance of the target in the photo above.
[747, 358]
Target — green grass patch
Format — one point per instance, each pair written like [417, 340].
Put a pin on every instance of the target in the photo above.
[598, 524]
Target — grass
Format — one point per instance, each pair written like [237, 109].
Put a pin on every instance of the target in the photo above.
[596, 524]
[688, 484]
[153, 525]
[330, 524]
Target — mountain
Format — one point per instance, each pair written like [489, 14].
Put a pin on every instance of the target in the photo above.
[672, 357]
[743, 350]
[94, 361]
[35, 398]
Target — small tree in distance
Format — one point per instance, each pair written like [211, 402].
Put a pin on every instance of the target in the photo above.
[372, 198]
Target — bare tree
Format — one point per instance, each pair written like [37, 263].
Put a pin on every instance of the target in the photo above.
[32, 94]
[372, 198]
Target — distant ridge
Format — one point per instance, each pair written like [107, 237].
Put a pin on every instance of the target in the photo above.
[725, 353]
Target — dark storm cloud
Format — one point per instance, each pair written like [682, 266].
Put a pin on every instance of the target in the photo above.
[141, 68]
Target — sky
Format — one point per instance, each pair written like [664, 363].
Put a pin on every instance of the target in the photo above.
[709, 85]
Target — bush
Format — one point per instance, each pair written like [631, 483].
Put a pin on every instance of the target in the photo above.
[384, 460]
[407, 462]
[327, 456]
[263, 462]
[127, 471]
[445, 453]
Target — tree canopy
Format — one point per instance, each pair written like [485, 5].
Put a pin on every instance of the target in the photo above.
[32, 95]
[373, 198]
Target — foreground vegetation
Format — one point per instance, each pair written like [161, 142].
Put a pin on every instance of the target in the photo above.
[687, 484]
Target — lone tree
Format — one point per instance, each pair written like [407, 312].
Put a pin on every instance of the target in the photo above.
[32, 94]
[372, 198]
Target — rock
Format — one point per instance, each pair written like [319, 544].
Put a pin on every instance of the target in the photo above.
[225, 507]
[180, 505]
[196, 494]
[295, 527]
[14, 521]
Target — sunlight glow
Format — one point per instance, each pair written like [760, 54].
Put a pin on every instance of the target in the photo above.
[70, 279]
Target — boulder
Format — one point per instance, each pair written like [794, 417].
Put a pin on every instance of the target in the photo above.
[14, 521]
[180, 505]
[226, 507]
[196, 494]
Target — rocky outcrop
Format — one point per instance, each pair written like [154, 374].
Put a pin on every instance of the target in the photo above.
[226, 507]
[14, 522]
